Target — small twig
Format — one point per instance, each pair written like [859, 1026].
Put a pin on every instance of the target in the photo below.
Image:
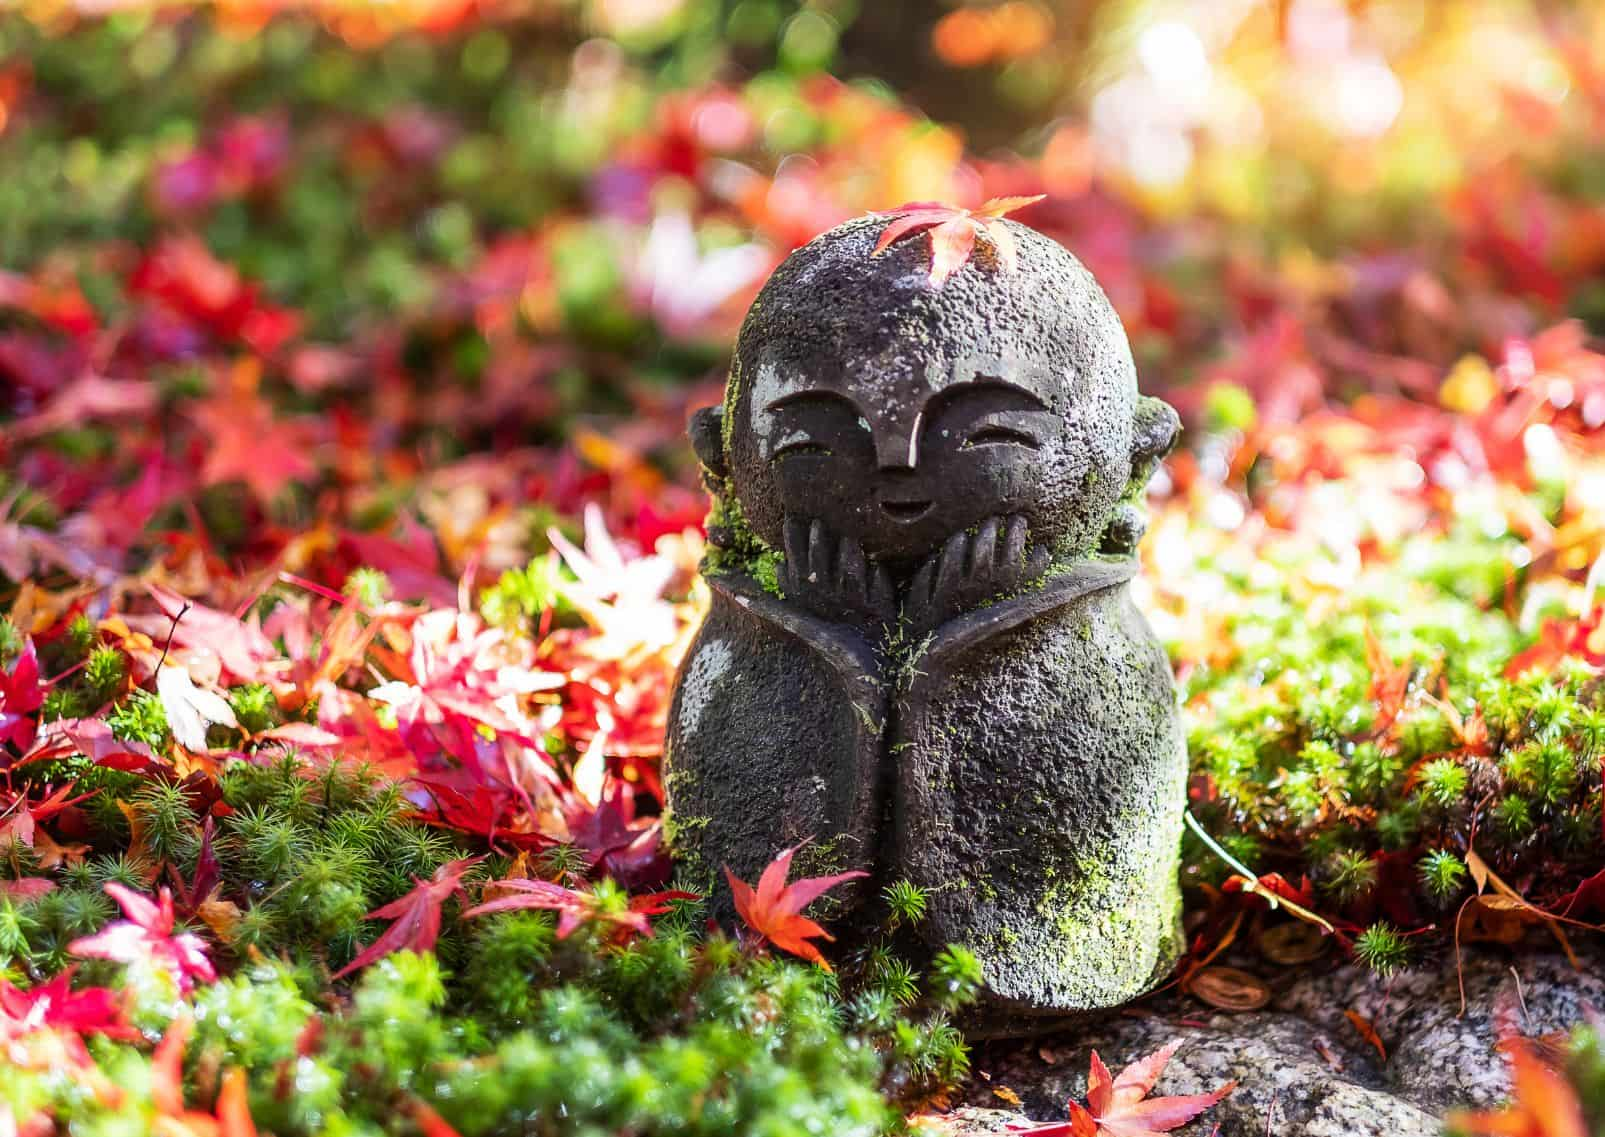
[166, 647]
[1251, 882]
[1521, 996]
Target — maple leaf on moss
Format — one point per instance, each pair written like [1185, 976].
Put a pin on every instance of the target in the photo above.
[56, 1006]
[1120, 1106]
[773, 910]
[953, 232]
[147, 934]
[416, 915]
[576, 908]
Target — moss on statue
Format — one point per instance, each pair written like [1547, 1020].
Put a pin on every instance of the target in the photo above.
[734, 548]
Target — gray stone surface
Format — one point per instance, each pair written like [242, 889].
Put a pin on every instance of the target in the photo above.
[1302, 1067]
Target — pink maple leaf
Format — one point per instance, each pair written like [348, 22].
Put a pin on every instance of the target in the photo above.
[953, 232]
[146, 936]
[21, 696]
[577, 908]
[240, 644]
[416, 915]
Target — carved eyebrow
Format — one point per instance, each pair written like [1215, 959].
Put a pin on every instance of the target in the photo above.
[813, 394]
[985, 383]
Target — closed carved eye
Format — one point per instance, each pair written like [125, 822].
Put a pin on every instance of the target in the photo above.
[801, 446]
[996, 435]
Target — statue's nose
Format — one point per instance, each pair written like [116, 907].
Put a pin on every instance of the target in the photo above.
[897, 449]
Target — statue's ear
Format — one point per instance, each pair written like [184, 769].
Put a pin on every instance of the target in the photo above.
[707, 439]
[1154, 432]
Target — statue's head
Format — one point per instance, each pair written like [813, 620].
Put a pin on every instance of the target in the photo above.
[899, 412]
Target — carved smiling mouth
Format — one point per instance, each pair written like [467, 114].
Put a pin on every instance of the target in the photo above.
[906, 510]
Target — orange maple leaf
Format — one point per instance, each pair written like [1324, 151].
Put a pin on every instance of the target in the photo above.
[1543, 1103]
[774, 909]
[232, 1114]
[953, 232]
[1120, 1107]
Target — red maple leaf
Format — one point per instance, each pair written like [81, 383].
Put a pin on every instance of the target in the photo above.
[774, 909]
[146, 936]
[1582, 637]
[416, 915]
[1276, 883]
[21, 696]
[246, 441]
[208, 875]
[953, 232]
[1120, 1107]
[55, 1005]
[577, 908]
[19, 817]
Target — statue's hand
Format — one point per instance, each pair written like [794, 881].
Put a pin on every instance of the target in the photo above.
[831, 577]
[970, 569]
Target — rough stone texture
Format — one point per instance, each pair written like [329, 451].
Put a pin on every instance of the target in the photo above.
[1302, 1058]
[920, 655]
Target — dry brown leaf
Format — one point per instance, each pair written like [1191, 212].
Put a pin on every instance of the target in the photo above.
[1228, 989]
[1293, 943]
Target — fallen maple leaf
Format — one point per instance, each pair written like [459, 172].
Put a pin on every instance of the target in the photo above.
[232, 1114]
[191, 709]
[21, 696]
[1120, 1107]
[146, 935]
[416, 915]
[26, 888]
[953, 232]
[576, 908]
[1389, 683]
[55, 1005]
[1543, 1103]
[240, 645]
[774, 909]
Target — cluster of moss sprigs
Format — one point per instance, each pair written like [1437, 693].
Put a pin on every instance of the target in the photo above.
[668, 1037]
[1375, 747]
[685, 1032]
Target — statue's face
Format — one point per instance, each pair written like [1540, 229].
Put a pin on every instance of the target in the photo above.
[900, 459]
[899, 414]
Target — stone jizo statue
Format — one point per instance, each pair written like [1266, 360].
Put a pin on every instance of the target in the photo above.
[921, 657]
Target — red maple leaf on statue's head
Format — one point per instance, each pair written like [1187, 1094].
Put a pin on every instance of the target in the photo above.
[416, 915]
[774, 909]
[953, 232]
[1120, 1106]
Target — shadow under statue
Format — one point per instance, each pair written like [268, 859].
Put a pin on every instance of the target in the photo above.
[921, 657]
